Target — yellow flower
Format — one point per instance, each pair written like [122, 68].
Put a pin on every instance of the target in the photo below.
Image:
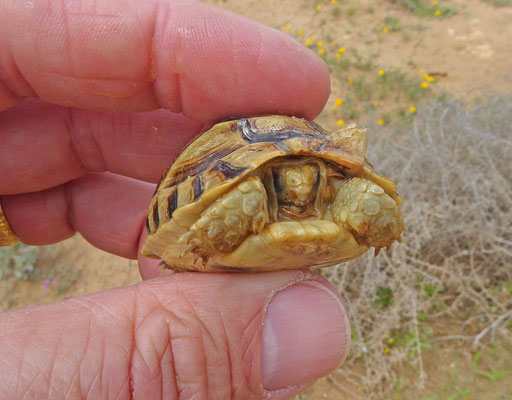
[381, 73]
[385, 350]
[340, 122]
[435, 2]
[375, 104]
[319, 7]
[319, 43]
[321, 51]
[438, 12]
[385, 30]
[381, 122]
[412, 109]
[350, 80]
[338, 55]
[341, 50]
[424, 85]
[359, 389]
[338, 102]
[391, 341]
[333, 1]
[312, 38]
[307, 42]
[287, 27]
[299, 32]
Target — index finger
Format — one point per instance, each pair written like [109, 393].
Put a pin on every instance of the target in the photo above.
[183, 55]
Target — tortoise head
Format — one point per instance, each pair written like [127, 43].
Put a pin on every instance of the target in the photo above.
[296, 189]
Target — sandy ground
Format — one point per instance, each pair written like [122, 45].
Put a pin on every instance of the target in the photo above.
[470, 55]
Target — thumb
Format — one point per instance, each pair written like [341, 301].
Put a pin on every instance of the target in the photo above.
[187, 336]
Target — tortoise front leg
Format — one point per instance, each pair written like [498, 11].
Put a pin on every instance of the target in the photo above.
[373, 217]
[228, 220]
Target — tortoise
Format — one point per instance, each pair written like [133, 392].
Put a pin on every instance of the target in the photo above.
[268, 193]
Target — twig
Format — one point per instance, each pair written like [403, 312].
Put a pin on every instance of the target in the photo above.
[491, 327]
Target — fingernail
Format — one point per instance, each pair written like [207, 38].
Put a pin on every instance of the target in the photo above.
[306, 334]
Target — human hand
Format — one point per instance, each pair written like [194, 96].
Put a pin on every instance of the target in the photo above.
[69, 163]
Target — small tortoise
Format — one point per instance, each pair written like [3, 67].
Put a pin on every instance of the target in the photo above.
[269, 193]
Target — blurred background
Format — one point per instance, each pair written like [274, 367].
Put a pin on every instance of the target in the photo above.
[432, 82]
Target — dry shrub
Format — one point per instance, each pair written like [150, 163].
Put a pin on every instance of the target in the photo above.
[453, 169]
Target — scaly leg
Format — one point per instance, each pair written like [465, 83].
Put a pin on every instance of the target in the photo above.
[364, 208]
[228, 220]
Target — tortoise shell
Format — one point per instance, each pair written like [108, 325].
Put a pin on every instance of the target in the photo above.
[214, 165]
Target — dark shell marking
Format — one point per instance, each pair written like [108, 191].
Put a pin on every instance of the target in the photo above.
[172, 203]
[228, 170]
[254, 135]
[180, 176]
[197, 185]
[156, 218]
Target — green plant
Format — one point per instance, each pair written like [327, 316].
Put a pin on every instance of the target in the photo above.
[422, 317]
[336, 12]
[431, 290]
[383, 297]
[392, 23]
[422, 9]
[18, 261]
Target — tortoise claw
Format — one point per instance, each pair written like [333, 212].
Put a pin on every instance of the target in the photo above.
[188, 248]
[186, 237]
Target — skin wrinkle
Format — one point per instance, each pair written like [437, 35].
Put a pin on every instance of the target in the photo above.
[7, 97]
[24, 89]
[171, 100]
[253, 342]
[134, 313]
[136, 326]
[246, 360]
[78, 371]
[53, 359]
[69, 213]
[67, 38]
[177, 387]
[70, 124]
[194, 324]
[19, 368]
